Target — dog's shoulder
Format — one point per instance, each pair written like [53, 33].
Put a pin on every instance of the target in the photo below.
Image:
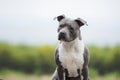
[56, 57]
[86, 56]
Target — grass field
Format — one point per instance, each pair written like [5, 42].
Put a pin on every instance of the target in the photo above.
[24, 77]
[47, 77]
[21, 76]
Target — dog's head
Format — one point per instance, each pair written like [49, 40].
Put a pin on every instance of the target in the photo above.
[68, 29]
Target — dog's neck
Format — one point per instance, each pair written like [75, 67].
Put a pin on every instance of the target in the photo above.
[72, 44]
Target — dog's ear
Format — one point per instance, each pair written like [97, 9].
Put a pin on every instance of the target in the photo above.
[80, 22]
[60, 17]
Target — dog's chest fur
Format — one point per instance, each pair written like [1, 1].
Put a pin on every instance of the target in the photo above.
[71, 56]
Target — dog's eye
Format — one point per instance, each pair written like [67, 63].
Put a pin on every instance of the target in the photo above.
[71, 28]
[61, 26]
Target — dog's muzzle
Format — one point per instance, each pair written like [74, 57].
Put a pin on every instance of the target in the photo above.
[61, 36]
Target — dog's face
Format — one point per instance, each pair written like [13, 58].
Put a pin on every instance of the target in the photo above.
[68, 30]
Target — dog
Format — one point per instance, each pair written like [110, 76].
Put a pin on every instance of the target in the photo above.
[71, 55]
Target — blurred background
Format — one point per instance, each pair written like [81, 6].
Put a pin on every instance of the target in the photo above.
[28, 37]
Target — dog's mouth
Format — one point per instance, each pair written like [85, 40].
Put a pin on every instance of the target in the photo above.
[61, 38]
[64, 39]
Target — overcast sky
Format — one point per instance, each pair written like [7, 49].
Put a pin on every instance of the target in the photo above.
[31, 21]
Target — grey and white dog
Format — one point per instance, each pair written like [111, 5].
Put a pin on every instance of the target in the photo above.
[71, 55]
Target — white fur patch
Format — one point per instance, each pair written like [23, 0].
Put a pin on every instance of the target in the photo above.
[71, 56]
[55, 75]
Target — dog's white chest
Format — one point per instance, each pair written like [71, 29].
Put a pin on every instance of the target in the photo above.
[72, 59]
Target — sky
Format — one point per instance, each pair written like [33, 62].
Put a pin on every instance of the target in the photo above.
[31, 21]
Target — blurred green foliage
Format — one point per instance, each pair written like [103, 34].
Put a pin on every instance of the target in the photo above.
[105, 59]
[40, 59]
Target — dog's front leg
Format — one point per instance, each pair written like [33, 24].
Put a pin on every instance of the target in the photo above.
[85, 65]
[60, 73]
[55, 75]
[85, 73]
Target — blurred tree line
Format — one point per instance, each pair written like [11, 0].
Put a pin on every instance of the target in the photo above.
[40, 59]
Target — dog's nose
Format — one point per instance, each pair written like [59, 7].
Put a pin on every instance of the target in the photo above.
[61, 35]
